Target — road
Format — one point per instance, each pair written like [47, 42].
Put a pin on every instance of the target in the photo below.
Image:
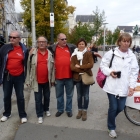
[1, 99]
[65, 128]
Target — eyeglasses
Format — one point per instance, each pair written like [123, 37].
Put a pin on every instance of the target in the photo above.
[63, 39]
[39, 42]
[13, 37]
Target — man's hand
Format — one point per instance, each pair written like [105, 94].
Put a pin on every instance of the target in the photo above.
[97, 54]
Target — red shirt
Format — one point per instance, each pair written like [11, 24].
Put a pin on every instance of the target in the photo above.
[42, 67]
[15, 61]
[62, 63]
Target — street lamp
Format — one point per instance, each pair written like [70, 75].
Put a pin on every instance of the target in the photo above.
[52, 21]
[104, 37]
[33, 24]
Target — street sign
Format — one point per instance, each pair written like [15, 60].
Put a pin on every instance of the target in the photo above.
[51, 19]
[136, 99]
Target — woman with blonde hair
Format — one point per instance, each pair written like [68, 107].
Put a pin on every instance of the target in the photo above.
[121, 78]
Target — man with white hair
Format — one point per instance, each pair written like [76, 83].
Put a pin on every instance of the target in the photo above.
[13, 64]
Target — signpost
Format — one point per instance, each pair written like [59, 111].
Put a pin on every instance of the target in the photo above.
[51, 19]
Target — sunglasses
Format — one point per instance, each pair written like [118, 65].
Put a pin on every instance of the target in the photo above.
[43, 42]
[63, 39]
[13, 37]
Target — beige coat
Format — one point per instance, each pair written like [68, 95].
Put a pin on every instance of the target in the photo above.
[31, 78]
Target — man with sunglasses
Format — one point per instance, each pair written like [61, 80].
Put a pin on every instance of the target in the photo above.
[13, 63]
[63, 76]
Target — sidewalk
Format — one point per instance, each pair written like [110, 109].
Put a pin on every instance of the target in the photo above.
[65, 128]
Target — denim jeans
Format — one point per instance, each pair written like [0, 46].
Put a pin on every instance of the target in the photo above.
[42, 99]
[69, 87]
[116, 105]
[82, 95]
[18, 83]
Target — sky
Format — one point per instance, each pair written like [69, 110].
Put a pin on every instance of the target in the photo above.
[117, 12]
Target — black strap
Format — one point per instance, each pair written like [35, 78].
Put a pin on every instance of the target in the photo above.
[111, 59]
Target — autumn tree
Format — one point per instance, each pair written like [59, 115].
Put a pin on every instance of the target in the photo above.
[42, 16]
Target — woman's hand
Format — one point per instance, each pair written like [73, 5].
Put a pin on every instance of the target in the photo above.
[113, 75]
[130, 92]
[77, 66]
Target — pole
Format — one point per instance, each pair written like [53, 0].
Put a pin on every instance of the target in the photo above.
[104, 41]
[33, 24]
[104, 37]
[51, 27]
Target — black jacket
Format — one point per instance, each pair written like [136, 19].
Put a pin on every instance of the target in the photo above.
[52, 48]
[3, 58]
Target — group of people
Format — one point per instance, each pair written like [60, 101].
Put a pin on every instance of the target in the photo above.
[42, 68]
[61, 65]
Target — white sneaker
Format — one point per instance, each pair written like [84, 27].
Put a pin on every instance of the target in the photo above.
[40, 120]
[48, 114]
[23, 120]
[4, 118]
[112, 134]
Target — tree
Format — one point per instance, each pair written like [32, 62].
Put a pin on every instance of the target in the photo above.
[99, 18]
[115, 35]
[109, 38]
[80, 31]
[42, 16]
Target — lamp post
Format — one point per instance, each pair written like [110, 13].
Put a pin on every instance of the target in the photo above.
[33, 24]
[104, 37]
[52, 21]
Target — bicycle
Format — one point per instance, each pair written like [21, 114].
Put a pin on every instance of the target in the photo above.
[132, 107]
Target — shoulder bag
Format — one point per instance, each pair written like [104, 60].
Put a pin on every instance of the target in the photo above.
[101, 78]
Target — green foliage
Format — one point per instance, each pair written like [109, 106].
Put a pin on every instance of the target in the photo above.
[115, 35]
[110, 38]
[80, 31]
[42, 16]
[98, 20]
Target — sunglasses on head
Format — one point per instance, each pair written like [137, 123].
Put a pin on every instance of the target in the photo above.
[63, 39]
[13, 37]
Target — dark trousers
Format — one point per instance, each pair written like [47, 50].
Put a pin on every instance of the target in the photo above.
[42, 99]
[17, 82]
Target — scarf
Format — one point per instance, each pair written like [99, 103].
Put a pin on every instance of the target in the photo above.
[79, 54]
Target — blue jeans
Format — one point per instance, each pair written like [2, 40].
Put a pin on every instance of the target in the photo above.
[69, 87]
[82, 95]
[43, 93]
[18, 83]
[116, 105]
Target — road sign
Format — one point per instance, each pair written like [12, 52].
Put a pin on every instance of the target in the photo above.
[51, 19]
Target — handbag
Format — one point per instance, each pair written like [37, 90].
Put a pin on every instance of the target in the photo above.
[101, 78]
[87, 79]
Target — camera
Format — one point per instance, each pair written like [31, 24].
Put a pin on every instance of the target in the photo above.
[118, 73]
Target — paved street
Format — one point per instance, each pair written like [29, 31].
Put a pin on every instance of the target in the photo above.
[1, 99]
[68, 128]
